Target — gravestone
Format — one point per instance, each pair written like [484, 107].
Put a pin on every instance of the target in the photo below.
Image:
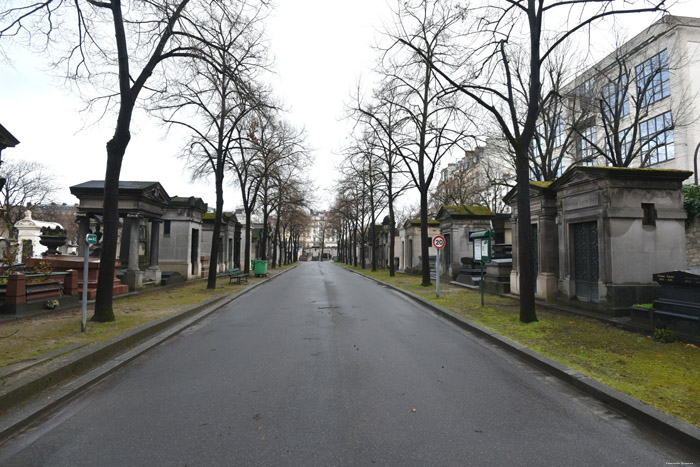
[470, 274]
[497, 278]
[678, 306]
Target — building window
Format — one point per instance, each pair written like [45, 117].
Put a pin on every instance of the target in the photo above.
[559, 132]
[615, 101]
[649, 214]
[653, 79]
[562, 167]
[166, 227]
[585, 146]
[585, 89]
[656, 138]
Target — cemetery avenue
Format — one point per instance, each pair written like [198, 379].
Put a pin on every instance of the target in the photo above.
[414, 233]
[320, 366]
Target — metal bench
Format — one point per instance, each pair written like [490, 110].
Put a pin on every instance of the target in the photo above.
[236, 273]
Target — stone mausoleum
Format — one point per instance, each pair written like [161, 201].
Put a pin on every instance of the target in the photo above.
[410, 238]
[180, 245]
[141, 209]
[601, 233]
[456, 223]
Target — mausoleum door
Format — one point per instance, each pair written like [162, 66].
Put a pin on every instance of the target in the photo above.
[535, 252]
[447, 257]
[586, 261]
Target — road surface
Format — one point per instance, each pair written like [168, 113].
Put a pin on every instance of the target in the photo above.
[322, 367]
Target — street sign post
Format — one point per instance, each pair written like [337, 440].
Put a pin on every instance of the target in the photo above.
[90, 239]
[439, 244]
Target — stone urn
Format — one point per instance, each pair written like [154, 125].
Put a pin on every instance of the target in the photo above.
[52, 239]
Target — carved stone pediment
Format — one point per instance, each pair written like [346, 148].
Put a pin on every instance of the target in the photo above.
[157, 193]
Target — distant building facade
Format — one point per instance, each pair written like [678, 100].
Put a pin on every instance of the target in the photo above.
[638, 107]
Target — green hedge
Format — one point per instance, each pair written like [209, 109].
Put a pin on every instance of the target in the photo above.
[691, 202]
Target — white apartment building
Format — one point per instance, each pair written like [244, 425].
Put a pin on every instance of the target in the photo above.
[638, 107]
[317, 234]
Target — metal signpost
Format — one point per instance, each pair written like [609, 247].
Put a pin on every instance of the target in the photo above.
[90, 239]
[439, 244]
[482, 253]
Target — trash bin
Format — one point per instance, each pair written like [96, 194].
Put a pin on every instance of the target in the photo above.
[260, 268]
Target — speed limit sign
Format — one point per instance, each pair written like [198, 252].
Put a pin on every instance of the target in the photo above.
[439, 242]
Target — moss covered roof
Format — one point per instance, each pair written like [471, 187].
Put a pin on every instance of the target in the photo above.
[211, 216]
[468, 210]
[417, 222]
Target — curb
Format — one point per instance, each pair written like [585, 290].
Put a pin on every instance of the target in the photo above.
[661, 422]
[99, 360]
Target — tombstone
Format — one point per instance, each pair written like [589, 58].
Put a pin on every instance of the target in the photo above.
[497, 278]
[470, 272]
[29, 232]
[678, 305]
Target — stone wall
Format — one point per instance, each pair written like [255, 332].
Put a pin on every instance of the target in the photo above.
[692, 243]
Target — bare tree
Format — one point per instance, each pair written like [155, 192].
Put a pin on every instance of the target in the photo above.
[214, 97]
[26, 183]
[146, 34]
[280, 149]
[385, 119]
[435, 119]
[491, 80]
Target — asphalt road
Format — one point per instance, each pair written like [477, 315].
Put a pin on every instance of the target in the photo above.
[321, 367]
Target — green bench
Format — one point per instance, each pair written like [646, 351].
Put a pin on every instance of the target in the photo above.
[236, 273]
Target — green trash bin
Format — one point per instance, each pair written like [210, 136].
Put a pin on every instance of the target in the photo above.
[260, 267]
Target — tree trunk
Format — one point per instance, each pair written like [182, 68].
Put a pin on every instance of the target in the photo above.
[275, 242]
[424, 251]
[246, 267]
[214, 254]
[116, 148]
[264, 235]
[392, 239]
[526, 268]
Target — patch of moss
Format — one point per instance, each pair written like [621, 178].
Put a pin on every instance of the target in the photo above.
[468, 210]
[432, 222]
[541, 184]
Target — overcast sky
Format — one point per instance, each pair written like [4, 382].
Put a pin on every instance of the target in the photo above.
[321, 48]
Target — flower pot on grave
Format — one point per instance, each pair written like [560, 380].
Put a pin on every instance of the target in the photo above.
[52, 242]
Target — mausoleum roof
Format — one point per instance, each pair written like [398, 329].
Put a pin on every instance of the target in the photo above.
[147, 199]
[416, 222]
[6, 139]
[466, 211]
[620, 173]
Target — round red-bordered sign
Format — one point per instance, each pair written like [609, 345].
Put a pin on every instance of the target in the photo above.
[439, 242]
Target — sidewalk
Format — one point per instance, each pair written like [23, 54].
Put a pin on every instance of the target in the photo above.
[64, 373]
